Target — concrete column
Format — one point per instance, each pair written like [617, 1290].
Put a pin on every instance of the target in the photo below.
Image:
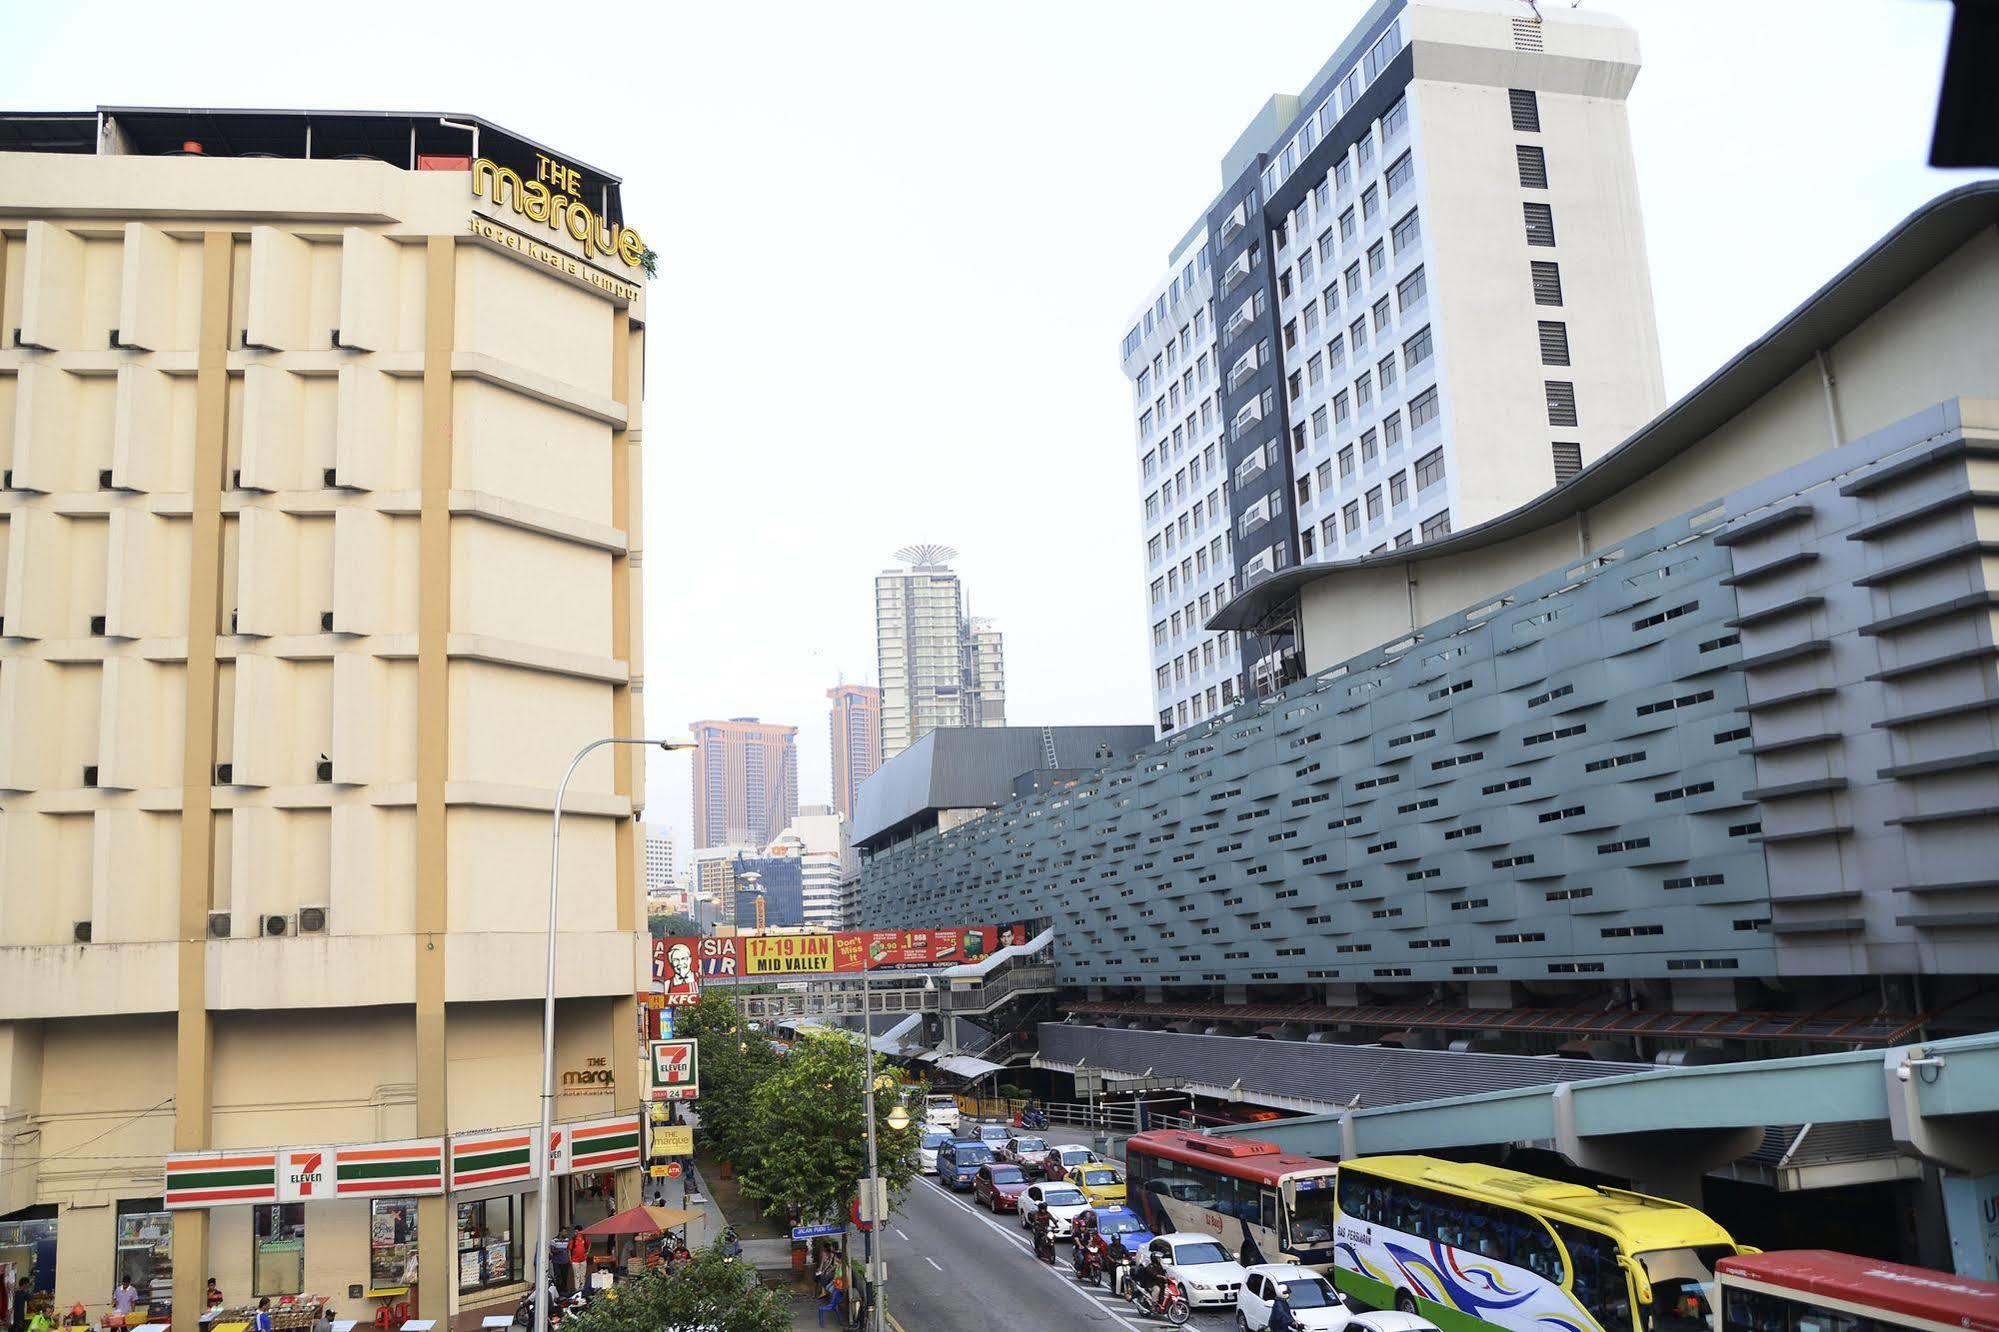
[437, 1248]
[194, 1034]
[627, 718]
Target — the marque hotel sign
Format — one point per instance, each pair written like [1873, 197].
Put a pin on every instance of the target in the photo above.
[553, 198]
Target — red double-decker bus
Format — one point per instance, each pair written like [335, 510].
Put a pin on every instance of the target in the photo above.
[1818, 1290]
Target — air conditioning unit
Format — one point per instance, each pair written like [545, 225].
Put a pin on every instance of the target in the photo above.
[312, 920]
[277, 927]
[225, 774]
[82, 931]
[218, 924]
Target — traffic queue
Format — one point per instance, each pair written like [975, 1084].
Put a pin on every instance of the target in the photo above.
[1066, 1192]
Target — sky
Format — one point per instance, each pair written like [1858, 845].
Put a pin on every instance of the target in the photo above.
[901, 242]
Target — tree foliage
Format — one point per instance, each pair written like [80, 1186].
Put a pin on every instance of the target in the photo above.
[673, 926]
[810, 1131]
[710, 1292]
[734, 1060]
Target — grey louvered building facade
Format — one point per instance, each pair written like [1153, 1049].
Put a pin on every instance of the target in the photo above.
[1754, 739]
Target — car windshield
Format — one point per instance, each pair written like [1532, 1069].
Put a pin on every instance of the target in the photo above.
[1119, 1225]
[993, 1133]
[1006, 1175]
[1197, 1252]
[1075, 1155]
[1682, 1282]
[1063, 1198]
[1100, 1177]
[971, 1154]
[1310, 1293]
[932, 1141]
[1029, 1145]
[943, 1103]
[1312, 1214]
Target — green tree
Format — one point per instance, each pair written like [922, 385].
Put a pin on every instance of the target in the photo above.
[710, 1292]
[675, 926]
[810, 1131]
[734, 1060]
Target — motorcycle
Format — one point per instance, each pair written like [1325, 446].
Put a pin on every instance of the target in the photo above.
[1044, 1245]
[1170, 1303]
[1088, 1260]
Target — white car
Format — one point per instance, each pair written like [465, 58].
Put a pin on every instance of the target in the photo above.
[1203, 1268]
[926, 1151]
[1314, 1302]
[940, 1113]
[1388, 1320]
[1065, 1203]
[1067, 1156]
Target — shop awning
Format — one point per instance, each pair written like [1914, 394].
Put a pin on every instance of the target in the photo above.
[969, 1067]
[641, 1221]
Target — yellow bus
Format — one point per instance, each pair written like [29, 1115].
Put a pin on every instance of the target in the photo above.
[1472, 1247]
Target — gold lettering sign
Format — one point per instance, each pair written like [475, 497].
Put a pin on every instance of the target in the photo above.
[562, 262]
[552, 198]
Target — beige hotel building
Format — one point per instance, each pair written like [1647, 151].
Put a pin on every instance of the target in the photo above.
[319, 558]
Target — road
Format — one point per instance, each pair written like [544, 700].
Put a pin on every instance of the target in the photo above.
[953, 1267]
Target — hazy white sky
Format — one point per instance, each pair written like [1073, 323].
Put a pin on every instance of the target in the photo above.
[900, 243]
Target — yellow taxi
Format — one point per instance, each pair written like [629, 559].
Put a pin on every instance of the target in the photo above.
[1101, 1183]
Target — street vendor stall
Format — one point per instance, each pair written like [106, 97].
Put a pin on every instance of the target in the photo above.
[626, 1228]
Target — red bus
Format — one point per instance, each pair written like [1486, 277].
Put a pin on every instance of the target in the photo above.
[1228, 1186]
[1817, 1290]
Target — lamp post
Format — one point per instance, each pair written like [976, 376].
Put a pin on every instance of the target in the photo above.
[540, 1145]
[877, 1259]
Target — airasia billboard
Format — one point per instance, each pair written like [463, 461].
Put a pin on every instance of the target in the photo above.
[680, 964]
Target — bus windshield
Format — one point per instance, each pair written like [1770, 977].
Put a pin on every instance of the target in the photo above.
[1312, 1213]
[1682, 1285]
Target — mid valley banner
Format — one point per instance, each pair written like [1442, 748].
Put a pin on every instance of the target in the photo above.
[678, 964]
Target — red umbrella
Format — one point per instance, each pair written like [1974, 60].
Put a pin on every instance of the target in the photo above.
[641, 1221]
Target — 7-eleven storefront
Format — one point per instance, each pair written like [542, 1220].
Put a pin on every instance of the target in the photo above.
[353, 1207]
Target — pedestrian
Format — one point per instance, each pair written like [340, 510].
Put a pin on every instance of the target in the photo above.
[579, 1260]
[322, 1321]
[827, 1267]
[214, 1294]
[125, 1298]
[836, 1303]
[558, 1262]
[262, 1322]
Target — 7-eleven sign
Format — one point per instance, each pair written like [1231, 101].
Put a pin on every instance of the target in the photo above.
[303, 1174]
[675, 1071]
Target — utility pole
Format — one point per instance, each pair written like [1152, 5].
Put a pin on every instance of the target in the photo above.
[877, 1278]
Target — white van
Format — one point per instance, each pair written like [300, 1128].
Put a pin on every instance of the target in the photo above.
[941, 1112]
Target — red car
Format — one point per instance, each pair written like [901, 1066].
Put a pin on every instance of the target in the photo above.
[999, 1186]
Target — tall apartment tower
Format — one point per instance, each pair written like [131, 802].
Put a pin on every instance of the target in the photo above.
[321, 531]
[659, 861]
[745, 781]
[1420, 299]
[938, 666]
[854, 735]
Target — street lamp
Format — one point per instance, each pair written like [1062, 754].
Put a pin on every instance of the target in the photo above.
[877, 1257]
[540, 1145]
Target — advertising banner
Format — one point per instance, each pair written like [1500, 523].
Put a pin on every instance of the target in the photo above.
[680, 964]
[676, 1071]
[206, 1179]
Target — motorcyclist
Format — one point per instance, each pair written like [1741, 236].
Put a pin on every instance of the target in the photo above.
[1084, 1234]
[1150, 1277]
[1281, 1319]
[1044, 1233]
[1115, 1257]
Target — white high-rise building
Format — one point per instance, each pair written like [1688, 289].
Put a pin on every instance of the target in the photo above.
[821, 840]
[1420, 299]
[661, 884]
[938, 666]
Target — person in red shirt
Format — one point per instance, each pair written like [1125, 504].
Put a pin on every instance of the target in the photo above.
[579, 1260]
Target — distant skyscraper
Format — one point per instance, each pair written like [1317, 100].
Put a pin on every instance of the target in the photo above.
[659, 862]
[818, 837]
[938, 667]
[855, 735]
[745, 781]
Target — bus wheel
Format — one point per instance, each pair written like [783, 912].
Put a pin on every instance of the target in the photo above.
[1405, 1301]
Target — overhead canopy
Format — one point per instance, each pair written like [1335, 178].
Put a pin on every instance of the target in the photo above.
[968, 1067]
[641, 1221]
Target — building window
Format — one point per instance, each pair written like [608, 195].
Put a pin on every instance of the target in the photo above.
[1554, 342]
[391, 1245]
[1411, 289]
[1561, 402]
[1526, 110]
[1385, 372]
[1423, 408]
[1394, 118]
[1353, 279]
[1540, 223]
[1336, 351]
[1163, 677]
[1417, 349]
[1315, 368]
[1319, 422]
[1370, 201]
[1158, 590]
[1391, 429]
[1350, 517]
[1400, 173]
[1437, 525]
[1165, 720]
[1568, 461]
[1363, 390]
[1404, 539]
[1346, 460]
[1429, 469]
[1159, 634]
[1342, 176]
[1533, 166]
[1341, 408]
[1357, 333]
[1367, 449]
[1329, 531]
[277, 1249]
[1547, 282]
[1377, 258]
[1306, 541]
[1406, 232]
[145, 1254]
[1398, 488]
[1374, 504]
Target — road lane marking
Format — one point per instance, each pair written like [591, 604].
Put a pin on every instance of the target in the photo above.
[899, 1235]
[932, 1261]
[1022, 1243]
